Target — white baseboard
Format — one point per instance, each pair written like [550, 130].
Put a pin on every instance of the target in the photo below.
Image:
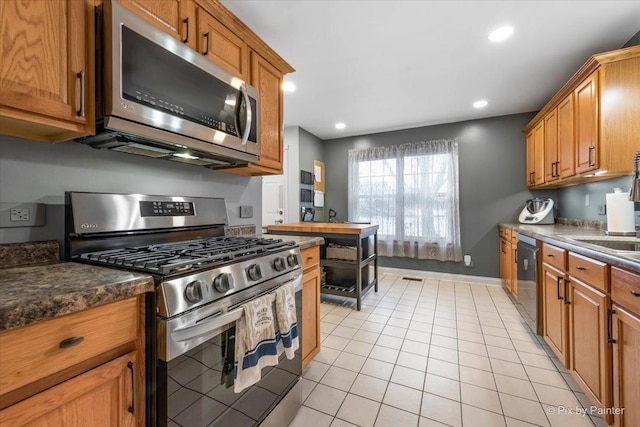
[493, 281]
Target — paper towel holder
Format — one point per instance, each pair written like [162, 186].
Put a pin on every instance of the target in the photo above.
[618, 233]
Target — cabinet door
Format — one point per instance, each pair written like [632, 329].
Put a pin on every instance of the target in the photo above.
[566, 139]
[590, 353]
[268, 80]
[551, 146]
[626, 359]
[586, 124]
[99, 397]
[222, 46]
[504, 263]
[554, 312]
[174, 17]
[531, 159]
[538, 135]
[310, 315]
[514, 269]
[45, 73]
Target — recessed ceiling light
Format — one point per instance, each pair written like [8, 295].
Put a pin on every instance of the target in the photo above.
[501, 34]
[480, 104]
[340, 125]
[288, 87]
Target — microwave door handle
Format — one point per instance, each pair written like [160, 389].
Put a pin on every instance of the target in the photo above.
[247, 126]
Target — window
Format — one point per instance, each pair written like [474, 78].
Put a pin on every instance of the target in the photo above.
[411, 192]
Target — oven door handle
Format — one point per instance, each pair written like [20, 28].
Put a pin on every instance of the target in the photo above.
[190, 332]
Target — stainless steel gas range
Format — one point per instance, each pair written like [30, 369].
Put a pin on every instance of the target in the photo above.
[202, 278]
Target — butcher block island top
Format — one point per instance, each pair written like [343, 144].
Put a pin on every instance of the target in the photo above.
[348, 258]
[323, 227]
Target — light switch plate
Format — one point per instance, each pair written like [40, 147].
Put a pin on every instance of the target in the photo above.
[22, 214]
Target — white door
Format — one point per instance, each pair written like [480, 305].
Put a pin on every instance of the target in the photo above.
[272, 200]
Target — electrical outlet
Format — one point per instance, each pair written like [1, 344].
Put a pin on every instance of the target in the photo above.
[246, 211]
[22, 214]
[586, 200]
[468, 261]
[18, 214]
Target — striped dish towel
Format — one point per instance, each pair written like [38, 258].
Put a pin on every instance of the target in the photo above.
[287, 322]
[256, 342]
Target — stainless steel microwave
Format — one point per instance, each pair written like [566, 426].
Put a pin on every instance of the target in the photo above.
[157, 97]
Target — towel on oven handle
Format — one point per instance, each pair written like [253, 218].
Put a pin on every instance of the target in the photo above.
[287, 321]
[256, 342]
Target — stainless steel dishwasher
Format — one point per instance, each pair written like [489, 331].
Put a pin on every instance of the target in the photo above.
[527, 288]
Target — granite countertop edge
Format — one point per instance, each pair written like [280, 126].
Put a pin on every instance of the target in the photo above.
[41, 300]
[555, 235]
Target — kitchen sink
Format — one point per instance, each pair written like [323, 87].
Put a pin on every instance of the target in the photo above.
[612, 242]
[624, 246]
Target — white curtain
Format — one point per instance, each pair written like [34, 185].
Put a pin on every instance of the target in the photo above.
[411, 192]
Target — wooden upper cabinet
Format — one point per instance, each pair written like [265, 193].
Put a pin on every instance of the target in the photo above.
[620, 115]
[268, 80]
[586, 124]
[551, 146]
[222, 46]
[46, 78]
[531, 155]
[566, 139]
[597, 120]
[174, 17]
[538, 136]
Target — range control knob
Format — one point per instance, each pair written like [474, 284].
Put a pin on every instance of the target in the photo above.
[223, 282]
[193, 291]
[279, 264]
[254, 272]
[292, 260]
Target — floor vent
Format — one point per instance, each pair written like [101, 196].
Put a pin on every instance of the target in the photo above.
[413, 279]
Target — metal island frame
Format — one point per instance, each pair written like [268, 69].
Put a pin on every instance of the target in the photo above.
[351, 278]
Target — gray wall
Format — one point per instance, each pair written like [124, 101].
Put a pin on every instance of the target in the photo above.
[633, 41]
[33, 172]
[312, 148]
[571, 200]
[492, 183]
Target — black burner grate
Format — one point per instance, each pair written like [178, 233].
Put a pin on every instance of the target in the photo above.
[175, 257]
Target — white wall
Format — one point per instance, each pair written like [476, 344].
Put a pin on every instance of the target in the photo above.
[292, 173]
[33, 172]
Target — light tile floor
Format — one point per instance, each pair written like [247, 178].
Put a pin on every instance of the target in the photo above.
[432, 353]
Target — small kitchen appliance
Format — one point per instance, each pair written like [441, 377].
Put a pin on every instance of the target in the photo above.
[202, 278]
[537, 211]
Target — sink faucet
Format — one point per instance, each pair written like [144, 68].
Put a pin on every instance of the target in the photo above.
[634, 194]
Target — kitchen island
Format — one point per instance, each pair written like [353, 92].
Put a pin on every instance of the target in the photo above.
[348, 257]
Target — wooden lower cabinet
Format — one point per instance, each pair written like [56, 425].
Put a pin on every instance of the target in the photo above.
[103, 396]
[626, 360]
[310, 304]
[589, 349]
[555, 316]
[81, 369]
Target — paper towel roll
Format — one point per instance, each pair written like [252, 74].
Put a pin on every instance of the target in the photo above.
[619, 213]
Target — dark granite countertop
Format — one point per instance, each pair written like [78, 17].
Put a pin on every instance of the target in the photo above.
[302, 241]
[560, 235]
[32, 293]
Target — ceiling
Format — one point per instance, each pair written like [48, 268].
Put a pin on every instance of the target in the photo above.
[387, 65]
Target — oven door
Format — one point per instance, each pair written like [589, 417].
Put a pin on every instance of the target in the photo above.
[153, 84]
[196, 388]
